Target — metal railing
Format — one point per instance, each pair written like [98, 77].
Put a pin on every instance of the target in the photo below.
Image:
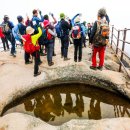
[120, 51]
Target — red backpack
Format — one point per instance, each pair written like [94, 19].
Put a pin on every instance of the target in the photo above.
[76, 32]
[28, 46]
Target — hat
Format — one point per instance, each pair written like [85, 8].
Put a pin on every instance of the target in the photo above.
[62, 16]
[77, 19]
[19, 18]
[29, 30]
[46, 23]
[6, 16]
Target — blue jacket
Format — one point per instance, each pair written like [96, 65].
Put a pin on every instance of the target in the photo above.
[36, 21]
[72, 20]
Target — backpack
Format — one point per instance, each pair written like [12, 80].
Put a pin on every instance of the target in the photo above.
[16, 33]
[47, 37]
[76, 32]
[102, 33]
[5, 28]
[59, 30]
[28, 45]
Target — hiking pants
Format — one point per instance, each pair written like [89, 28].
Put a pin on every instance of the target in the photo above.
[50, 48]
[101, 51]
[11, 38]
[5, 42]
[77, 47]
[26, 57]
[36, 56]
[64, 46]
[84, 41]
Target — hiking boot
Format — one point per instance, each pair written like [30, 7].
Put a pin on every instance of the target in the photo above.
[29, 62]
[79, 60]
[75, 60]
[50, 64]
[54, 54]
[37, 74]
[93, 68]
[13, 55]
[65, 59]
[100, 68]
[40, 62]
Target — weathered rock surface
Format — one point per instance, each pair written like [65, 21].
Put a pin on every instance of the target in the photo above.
[18, 121]
[17, 80]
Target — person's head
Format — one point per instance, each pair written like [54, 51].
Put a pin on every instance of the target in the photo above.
[46, 23]
[84, 23]
[20, 18]
[62, 16]
[29, 30]
[46, 17]
[101, 13]
[77, 19]
[6, 18]
[35, 12]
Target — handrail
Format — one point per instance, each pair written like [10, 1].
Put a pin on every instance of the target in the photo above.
[116, 44]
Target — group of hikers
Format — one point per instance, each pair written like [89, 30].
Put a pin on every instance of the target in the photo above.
[37, 36]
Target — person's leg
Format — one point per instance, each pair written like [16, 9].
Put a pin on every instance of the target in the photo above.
[62, 47]
[66, 45]
[80, 49]
[7, 44]
[36, 63]
[75, 50]
[26, 57]
[3, 41]
[94, 62]
[101, 56]
[54, 54]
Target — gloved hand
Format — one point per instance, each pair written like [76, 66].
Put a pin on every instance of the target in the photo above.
[40, 12]
[52, 14]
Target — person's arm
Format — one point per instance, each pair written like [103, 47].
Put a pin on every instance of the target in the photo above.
[36, 36]
[72, 20]
[52, 32]
[11, 25]
[94, 29]
[55, 21]
[67, 25]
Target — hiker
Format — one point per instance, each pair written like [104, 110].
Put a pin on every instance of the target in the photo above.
[46, 17]
[89, 31]
[7, 31]
[4, 40]
[28, 22]
[36, 22]
[50, 34]
[85, 31]
[66, 27]
[22, 31]
[77, 34]
[99, 39]
[32, 38]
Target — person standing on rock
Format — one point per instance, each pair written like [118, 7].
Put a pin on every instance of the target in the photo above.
[50, 35]
[4, 40]
[99, 39]
[66, 27]
[7, 30]
[77, 35]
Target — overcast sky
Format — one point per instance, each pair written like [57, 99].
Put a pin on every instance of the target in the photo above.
[118, 10]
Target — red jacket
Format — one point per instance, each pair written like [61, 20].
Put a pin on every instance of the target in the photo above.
[1, 33]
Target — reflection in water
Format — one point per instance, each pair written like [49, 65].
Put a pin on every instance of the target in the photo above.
[59, 104]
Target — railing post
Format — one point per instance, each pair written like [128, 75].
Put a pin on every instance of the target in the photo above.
[118, 37]
[112, 35]
[123, 48]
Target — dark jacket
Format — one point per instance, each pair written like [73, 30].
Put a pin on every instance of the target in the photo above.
[66, 27]
[22, 28]
[93, 34]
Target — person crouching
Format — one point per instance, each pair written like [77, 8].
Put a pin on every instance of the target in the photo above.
[50, 34]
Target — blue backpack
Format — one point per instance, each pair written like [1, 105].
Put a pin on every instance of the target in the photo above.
[59, 30]
[16, 33]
